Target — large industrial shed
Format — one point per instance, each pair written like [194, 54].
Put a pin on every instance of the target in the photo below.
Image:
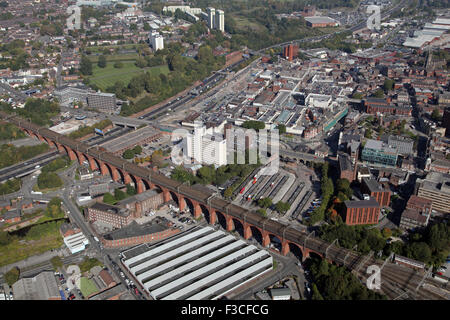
[200, 264]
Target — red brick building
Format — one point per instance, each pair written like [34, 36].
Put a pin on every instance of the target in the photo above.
[420, 204]
[142, 203]
[116, 216]
[361, 212]
[375, 190]
[137, 234]
[290, 52]
[346, 170]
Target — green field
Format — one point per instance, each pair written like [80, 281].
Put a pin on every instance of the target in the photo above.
[87, 287]
[126, 57]
[106, 77]
[20, 250]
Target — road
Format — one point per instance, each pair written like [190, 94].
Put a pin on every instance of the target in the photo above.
[27, 167]
[358, 26]
[182, 100]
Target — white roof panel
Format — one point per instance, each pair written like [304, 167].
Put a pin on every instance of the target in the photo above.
[193, 264]
[177, 251]
[167, 245]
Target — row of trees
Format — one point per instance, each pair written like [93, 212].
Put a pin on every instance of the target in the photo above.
[56, 164]
[331, 282]
[364, 237]
[327, 189]
[9, 131]
[38, 111]
[18, 55]
[48, 180]
[254, 124]
[131, 153]
[210, 175]
[10, 186]
[10, 154]
[119, 195]
[430, 245]
[54, 210]
[183, 72]
[84, 131]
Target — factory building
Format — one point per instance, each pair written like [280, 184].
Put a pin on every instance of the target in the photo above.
[200, 264]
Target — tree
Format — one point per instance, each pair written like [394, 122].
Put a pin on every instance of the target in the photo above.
[228, 192]
[436, 115]
[141, 63]
[12, 276]
[315, 293]
[49, 180]
[109, 198]
[387, 232]
[357, 95]
[343, 186]
[281, 128]
[128, 154]
[56, 262]
[379, 94]
[118, 65]
[102, 61]
[388, 84]
[265, 202]
[5, 238]
[282, 207]
[85, 66]
[119, 194]
[137, 150]
[131, 190]
[262, 212]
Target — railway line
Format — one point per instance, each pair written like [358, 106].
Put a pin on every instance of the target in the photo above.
[315, 245]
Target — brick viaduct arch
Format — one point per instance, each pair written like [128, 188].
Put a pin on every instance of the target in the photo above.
[197, 208]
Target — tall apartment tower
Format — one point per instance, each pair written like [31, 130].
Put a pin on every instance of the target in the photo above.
[220, 20]
[290, 52]
[211, 17]
[157, 41]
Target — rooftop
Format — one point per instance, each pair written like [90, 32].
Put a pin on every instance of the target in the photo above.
[134, 230]
[109, 208]
[372, 184]
[371, 203]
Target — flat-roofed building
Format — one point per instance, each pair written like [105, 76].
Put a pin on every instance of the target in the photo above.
[104, 102]
[376, 190]
[412, 219]
[405, 146]
[134, 233]
[143, 202]
[40, 287]
[435, 187]
[200, 264]
[280, 293]
[361, 212]
[346, 170]
[321, 22]
[115, 216]
[76, 242]
[132, 139]
[375, 151]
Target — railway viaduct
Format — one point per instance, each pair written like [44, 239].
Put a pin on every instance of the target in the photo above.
[203, 201]
[200, 201]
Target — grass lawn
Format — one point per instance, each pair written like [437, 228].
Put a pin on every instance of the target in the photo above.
[87, 287]
[108, 76]
[115, 57]
[19, 250]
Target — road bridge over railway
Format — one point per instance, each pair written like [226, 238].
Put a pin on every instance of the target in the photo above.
[215, 209]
